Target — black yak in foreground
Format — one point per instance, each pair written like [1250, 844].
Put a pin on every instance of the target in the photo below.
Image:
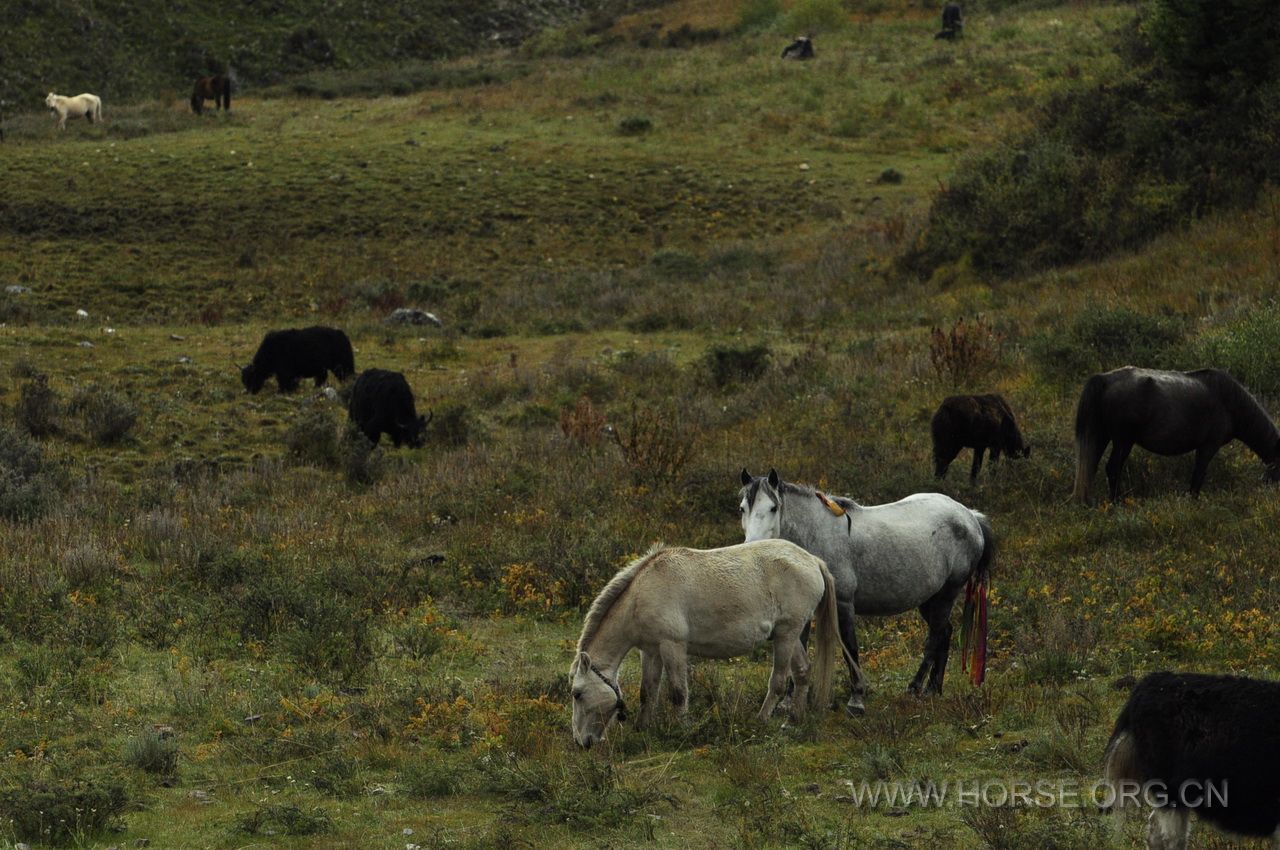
[382, 403]
[299, 353]
[977, 422]
[1193, 742]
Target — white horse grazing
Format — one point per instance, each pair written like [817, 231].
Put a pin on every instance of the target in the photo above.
[86, 105]
[711, 603]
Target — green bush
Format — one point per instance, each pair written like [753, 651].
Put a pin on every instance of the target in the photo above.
[28, 485]
[1249, 349]
[312, 437]
[284, 819]
[58, 812]
[1100, 340]
[38, 410]
[1220, 41]
[813, 17]
[105, 417]
[729, 364]
[152, 752]
[636, 125]
[759, 14]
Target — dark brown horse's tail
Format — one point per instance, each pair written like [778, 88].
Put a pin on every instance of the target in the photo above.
[1090, 436]
[226, 92]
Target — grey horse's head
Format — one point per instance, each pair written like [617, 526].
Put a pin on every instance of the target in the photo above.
[597, 701]
[760, 508]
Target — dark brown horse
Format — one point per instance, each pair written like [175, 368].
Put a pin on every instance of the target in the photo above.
[978, 422]
[216, 88]
[1169, 413]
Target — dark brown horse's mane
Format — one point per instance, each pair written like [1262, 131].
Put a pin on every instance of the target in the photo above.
[1254, 426]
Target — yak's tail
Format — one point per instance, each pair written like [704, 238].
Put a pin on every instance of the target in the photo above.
[973, 628]
[826, 622]
[1090, 440]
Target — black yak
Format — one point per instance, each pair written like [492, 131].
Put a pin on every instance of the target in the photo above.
[299, 353]
[382, 403]
[952, 25]
[1193, 742]
[977, 422]
[801, 48]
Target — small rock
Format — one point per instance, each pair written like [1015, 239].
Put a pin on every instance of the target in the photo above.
[162, 731]
[804, 166]
[108, 330]
[16, 290]
[406, 831]
[21, 846]
[176, 337]
[82, 314]
[413, 316]
[84, 343]
[204, 798]
[330, 393]
[184, 359]
[253, 718]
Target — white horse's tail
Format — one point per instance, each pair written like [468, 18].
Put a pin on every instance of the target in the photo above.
[97, 110]
[826, 623]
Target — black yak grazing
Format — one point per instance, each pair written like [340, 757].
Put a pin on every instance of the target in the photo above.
[977, 422]
[952, 25]
[1194, 742]
[801, 48]
[382, 403]
[299, 353]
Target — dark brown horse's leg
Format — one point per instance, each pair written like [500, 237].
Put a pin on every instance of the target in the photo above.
[1119, 454]
[977, 463]
[1203, 455]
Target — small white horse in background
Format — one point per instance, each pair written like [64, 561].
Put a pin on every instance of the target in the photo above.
[710, 603]
[86, 105]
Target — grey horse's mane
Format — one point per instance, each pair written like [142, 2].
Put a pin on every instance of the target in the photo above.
[1253, 422]
[612, 592]
[790, 489]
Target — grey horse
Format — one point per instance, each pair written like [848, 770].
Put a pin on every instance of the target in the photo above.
[918, 553]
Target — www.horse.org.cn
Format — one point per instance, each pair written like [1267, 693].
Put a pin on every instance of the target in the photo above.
[1042, 793]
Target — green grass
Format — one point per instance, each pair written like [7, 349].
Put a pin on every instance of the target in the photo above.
[344, 657]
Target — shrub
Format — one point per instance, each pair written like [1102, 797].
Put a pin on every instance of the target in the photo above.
[759, 14]
[28, 485]
[286, 819]
[37, 410]
[655, 445]
[307, 48]
[1249, 349]
[813, 17]
[582, 424]
[106, 417]
[1216, 41]
[965, 352]
[1100, 340]
[729, 364]
[450, 426]
[312, 437]
[361, 460]
[55, 812]
[434, 775]
[152, 752]
[331, 637]
[635, 125]
[673, 264]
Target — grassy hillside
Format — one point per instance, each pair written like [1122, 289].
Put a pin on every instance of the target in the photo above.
[227, 623]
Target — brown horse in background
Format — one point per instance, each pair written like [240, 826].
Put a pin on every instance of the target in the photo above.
[216, 88]
[978, 422]
[1169, 413]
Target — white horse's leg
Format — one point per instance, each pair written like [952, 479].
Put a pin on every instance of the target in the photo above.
[1168, 829]
[783, 648]
[676, 662]
[800, 675]
[650, 683]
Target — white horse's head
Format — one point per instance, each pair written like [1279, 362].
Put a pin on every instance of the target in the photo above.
[761, 506]
[597, 700]
[51, 100]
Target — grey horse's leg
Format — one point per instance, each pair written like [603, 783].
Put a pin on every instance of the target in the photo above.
[1119, 454]
[800, 678]
[977, 463]
[1203, 455]
[1168, 828]
[926, 657]
[940, 628]
[848, 633]
[784, 647]
[650, 684]
[676, 662]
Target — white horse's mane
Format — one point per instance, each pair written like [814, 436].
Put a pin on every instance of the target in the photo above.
[611, 593]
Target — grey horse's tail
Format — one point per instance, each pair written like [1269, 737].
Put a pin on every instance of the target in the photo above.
[973, 622]
[826, 622]
[1090, 439]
